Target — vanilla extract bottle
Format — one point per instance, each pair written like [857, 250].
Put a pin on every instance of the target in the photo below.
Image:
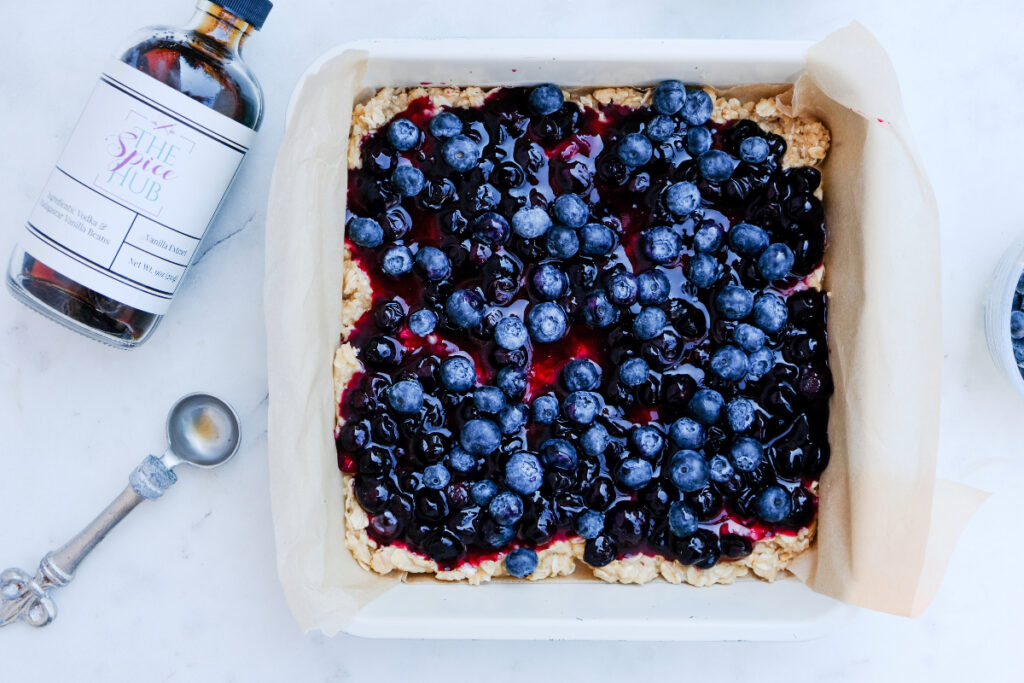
[156, 148]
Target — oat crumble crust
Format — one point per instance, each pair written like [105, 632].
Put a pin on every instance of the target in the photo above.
[807, 143]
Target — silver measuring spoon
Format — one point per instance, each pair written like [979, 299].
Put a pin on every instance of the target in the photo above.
[202, 430]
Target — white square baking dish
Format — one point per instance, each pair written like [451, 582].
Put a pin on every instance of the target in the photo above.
[558, 609]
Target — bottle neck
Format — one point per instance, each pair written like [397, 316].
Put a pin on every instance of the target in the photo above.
[218, 26]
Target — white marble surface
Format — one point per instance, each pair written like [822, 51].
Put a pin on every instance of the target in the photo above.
[186, 589]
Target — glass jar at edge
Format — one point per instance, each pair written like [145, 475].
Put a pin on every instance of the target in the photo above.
[203, 61]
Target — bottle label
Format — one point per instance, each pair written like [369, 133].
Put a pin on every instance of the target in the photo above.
[135, 189]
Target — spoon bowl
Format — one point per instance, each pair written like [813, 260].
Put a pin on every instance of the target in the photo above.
[202, 430]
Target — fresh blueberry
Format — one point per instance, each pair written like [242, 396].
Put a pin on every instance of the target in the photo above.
[748, 240]
[581, 374]
[506, 508]
[558, 454]
[462, 461]
[512, 419]
[1020, 284]
[458, 374]
[545, 409]
[405, 396]
[546, 322]
[703, 270]
[488, 399]
[408, 181]
[521, 562]
[748, 337]
[595, 440]
[510, 333]
[403, 134]
[754, 150]
[562, 242]
[1018, 352]
[432, 264]
[729, 363]
[706, 405]
[635, 150]
[775, 262]
[365, 232]
[770, 313]
[682, 199]
[549, 281]
[716, 166]
[581, 407]
[590, 524]
[688, 470]
[530, 222]
[571, 210]
[687, 433]
[546, 99]
[523, 473]
[661, 244]
[634, 372]
[461, 153]
[707, 238]
[661, 128]
[512, 380]
[465, 308]
[422, 322]
[746, 454]
[653, 287]
[1017, 325]
[397, 261]
[740, 413]
[436, 476]
[491, 227]
[623, 289]
[598, 311]
[682, 521]
[596, 239]
[647, 442]
[445, 125]
[720, 469]
[760, 362]
[634, 473]
[697, 108]
[668, 97]
[649, 323]
[698, 140]
[734, 302]
[773, 504]
[480, 437]
[483, 492]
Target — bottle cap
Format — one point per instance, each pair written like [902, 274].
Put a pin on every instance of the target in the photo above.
[253, 11]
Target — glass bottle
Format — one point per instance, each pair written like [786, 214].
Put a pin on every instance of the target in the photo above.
[141, 178]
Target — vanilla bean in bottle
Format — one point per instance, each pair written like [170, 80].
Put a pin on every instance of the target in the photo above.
[155, 150]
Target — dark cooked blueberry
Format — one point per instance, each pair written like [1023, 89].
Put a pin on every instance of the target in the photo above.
[682, 521]
[461, 153]
[699, 550]
[397, 261]
[558, 454]
[506, 508]
[623, 289]
[422, 322]
[489, 400]
[436, 476]
[431, 447]
[384, 429]
[735, 547]
[729, 363]
[546, 99]
[649, 323]
[600, 551]
[688, 470]
[354, 435]
[815, 384]
[491, 227]
[388, 316]
[375, 460]
[523, 473]
[571, 210]
[647, 442]
[653, 287]
[465, 308]
[770, 313]
[581, 374]
[634, 372]
[407, 181]
[635, 150]
[746, 454]
[403, 134]
[397, 222]
[705, 406]
[775, 262]
[458, 374]
[521, 562]
[661, 244]
[634, 473]
[748, 337]
[546, 322]
[384, 527]
[600, 494]
[383, 351]
[697, 107]
[740, 414]
[406, 396]
[598, 311]
[512, 419]
[773, 504]
[596, 239]
[549, 281]
[698, 140]
[581, 407]
[754, 150]
[432, 505]
[494, 535]
[445, 125]
[365, 232]
[668, 97]
[432, 264]
[480, 437]
[734, 302]
[545, 409]
[510, 333]
[716, 166]
[483, 491]
[531, 222]
[661, 128]
[708, 238]
[760, 362]
[595, 440]
[802, 508]
[703, 270]
[687, 433]
[748, 240]
[444, 547]
[562, 242]
[512, 380]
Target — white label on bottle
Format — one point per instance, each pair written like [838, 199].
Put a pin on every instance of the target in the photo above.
[135, 189]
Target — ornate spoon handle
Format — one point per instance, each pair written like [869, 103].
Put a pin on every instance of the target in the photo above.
[27, 598]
